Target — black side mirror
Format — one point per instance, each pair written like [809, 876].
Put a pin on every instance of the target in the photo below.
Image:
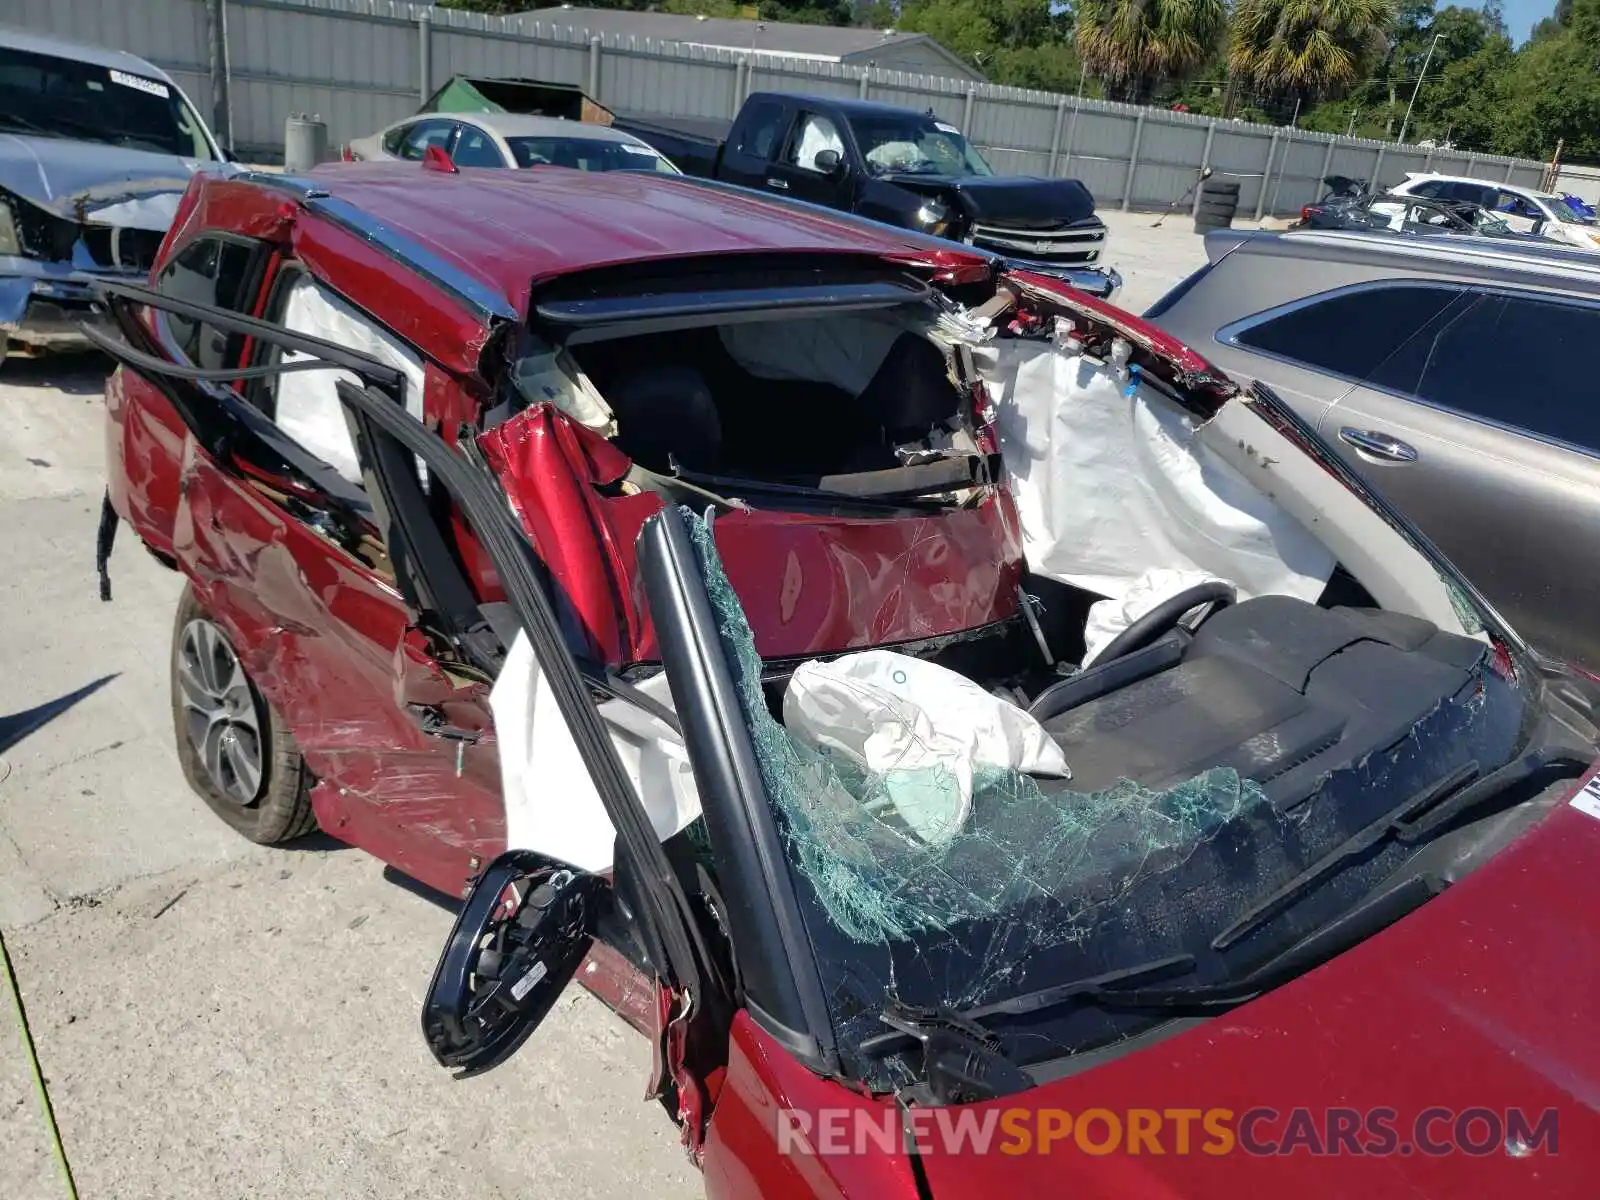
[516, 945]
[829, 162]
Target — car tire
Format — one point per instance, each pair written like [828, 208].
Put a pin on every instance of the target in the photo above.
[1219, 208]
[1220, 187]
[235, 751]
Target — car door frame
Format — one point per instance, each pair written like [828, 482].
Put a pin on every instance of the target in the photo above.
[748, 169]
[1435, 425]
[694, 1002]
[801, 183]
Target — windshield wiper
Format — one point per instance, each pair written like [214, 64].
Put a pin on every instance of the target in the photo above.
[1089, 990]
[962, 1062]
[1373, 915]
[27, 126]
[1393, 823]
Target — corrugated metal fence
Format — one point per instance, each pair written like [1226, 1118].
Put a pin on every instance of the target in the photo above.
[363, 63]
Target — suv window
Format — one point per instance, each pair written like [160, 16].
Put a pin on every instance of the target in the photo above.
[424, 134]
[1348, 333]
[1460, 365]
[1430, 190]
[211, 271]
[761, 129]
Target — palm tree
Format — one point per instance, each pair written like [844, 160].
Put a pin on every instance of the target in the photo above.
[1133, 44]
[1306, 48]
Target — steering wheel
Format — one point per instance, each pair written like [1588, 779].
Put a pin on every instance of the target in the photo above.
[1165, 616]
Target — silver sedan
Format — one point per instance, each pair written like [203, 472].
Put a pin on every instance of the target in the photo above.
[492, 139]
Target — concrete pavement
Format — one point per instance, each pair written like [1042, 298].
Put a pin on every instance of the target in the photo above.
[215, 1019]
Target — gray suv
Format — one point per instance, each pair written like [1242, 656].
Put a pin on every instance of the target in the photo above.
[1450, 376]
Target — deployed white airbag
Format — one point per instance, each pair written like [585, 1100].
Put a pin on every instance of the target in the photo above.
[551, 803]
[308, 407]
[844, 351]
[921, 728]
[1111, 482]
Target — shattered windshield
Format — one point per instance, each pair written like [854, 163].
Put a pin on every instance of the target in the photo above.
[915, 146]
[1040, 882]
[42, 95]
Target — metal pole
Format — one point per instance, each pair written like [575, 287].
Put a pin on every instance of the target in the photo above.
[1426, 59]
[425, 54]
[1072, 125]
[866, 74]
[1472, 163]
[1327, 160]
[1055, 137]
[594, 68]
[1205, 161]
[1266, 174]
[1133, 161]
[217, 37]
[741, 84]
[1510, 167]
[1427, 160]
[1283, 161]
[1377, 167]
[966, 116]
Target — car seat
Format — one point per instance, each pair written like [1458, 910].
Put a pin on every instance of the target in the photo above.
[666, 413]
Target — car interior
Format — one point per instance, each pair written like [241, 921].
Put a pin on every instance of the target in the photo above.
[1281, 688]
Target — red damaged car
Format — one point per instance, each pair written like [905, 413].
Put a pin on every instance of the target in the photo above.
[922, 698]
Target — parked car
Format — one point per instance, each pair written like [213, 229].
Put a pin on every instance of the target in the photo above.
[1579, 205]
[515, 513]
[1442, 376]
[96, 146]
[499, 139]
[1527, 210]
[1411, 215]
[889, 163]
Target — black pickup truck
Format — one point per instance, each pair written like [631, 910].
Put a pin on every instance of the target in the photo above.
[890, 164]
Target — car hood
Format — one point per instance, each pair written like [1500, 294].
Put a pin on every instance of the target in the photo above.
[1008, 199]
[1479, 999]
[96, 183]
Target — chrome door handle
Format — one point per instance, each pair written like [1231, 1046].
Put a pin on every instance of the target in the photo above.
[1379, 445]
[780, 184]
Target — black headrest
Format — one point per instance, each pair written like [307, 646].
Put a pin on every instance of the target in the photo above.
[666, 410]
[910, 392]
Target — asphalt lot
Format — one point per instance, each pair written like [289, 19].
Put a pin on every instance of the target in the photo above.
[219, 1020]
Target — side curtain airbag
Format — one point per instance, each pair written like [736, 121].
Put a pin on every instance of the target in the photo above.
[551, 803]
[308, 407]
[1111, 482]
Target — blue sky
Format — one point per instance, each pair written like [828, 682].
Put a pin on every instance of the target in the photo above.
[1523, 15]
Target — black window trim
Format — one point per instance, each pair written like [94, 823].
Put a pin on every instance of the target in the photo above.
[464, 124]
[1228, 336]
[448, 145]
[261, 254]
[783, 125]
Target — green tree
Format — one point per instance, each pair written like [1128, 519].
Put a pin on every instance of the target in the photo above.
[1552, 91]
[1134, 44]
[1307, 49]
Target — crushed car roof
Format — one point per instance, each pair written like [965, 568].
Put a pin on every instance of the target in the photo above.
[507, 229]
